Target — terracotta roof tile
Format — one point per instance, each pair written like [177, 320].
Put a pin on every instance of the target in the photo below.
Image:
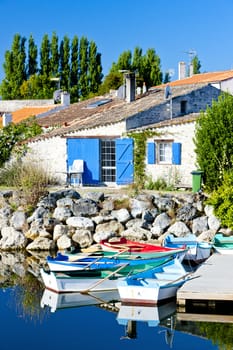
[27, 112]
[207, 78]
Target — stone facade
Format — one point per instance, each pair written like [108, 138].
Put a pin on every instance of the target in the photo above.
[182, 133]
[51, 153]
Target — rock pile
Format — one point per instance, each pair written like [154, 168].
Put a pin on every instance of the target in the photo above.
[65, 219]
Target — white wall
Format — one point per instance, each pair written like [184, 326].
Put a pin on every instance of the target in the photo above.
[50, 153]
[183, 134]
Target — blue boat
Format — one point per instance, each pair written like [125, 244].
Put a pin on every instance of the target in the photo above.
[197, 251]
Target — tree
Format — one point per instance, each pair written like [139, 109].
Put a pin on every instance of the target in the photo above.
[196, 65]
[65, 63]
[15, 69]
[112, 81]
[214, 142]
[45, 56]
[78, 67]
[13, 133]
[32, 58]
[95, 69]
[152, 74]
[147, 67]
[74, 70]
[83, 67]
[54, 61]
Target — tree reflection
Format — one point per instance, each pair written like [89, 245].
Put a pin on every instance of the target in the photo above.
[26, 295]
[219, 333]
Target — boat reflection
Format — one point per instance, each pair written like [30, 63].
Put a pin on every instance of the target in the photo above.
[129, 314]
[56, 301]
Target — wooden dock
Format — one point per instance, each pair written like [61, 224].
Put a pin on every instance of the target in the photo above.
[212, 284]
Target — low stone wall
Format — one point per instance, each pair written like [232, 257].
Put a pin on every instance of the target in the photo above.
[65, 219]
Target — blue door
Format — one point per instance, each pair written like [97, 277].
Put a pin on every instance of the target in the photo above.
[89, 151]
[124, 161]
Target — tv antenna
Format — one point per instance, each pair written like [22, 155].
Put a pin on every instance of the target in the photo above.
[192, 53]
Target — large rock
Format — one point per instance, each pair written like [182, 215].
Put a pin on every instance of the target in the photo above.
[80, 222]
[12, 239]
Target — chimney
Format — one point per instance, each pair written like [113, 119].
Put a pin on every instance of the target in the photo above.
[6, 119]
[182, 70]
[65, 98]
[191, 70]
[130, 86]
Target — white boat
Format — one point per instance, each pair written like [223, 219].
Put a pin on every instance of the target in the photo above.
[153, 285]
[57, 301]
[197, 251]
[98, 280]
[151, 314]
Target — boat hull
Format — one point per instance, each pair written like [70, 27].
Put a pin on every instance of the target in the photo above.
[63, 283]
[62, 263]
[197, 252]
[152, 294]
[153, 286]
[223, 244]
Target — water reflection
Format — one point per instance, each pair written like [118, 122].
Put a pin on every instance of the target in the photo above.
[36, 313]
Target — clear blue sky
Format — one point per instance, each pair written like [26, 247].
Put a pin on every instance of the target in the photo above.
[171, 27]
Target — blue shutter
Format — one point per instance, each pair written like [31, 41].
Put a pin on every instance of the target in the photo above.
[176, 153]
[88, 150]
[124, 161]
[151, 154]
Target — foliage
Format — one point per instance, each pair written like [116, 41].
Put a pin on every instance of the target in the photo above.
[140, 139]
[147, 67]
[12, 134]
[28, 293]
[213, 141]
[222, 200]
[78, 68]
[196, 65]
[112, 81]
[219, 333]
[30, 180]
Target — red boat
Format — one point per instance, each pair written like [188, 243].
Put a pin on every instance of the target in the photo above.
[123, 245]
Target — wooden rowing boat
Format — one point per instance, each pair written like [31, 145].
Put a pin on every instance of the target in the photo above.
[223, 244]
[153, 285]
[197, 251]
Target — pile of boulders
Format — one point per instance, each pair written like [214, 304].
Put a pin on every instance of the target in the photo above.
[64, 219]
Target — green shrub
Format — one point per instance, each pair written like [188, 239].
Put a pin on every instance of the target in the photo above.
[222, 200]
[158, 185]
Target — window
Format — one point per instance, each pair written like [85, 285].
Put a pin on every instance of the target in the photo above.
[108, 161]
[183, 107]
[165, 152]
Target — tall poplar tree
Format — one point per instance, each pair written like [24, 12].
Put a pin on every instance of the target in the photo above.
[65, 63]
[15, 68]
[54, 62]
[95, 68]
[45, 56]
[83, 67]
[74, 70]
[32, 67]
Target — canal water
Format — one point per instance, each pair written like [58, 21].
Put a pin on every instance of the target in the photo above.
[35, 318]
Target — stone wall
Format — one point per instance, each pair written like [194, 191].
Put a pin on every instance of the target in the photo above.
[64, 219]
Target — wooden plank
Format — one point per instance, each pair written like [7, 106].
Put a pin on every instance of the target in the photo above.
[214, 281]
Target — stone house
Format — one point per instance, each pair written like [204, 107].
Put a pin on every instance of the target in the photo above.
[96, 132]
